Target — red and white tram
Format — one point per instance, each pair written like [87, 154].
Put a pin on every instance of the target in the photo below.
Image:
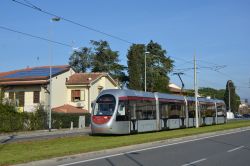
[118, 111]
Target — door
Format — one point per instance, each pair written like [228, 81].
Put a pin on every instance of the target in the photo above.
[133, 118]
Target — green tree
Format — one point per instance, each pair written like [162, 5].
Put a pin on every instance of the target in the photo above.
[158, 66]
[213, 93]
[106, 60]
[80, 60]
[234, 98]
[136, 67]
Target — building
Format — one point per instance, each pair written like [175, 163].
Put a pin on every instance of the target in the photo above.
[29, 88]
[174, 89]
[244, 108]
[83, 88]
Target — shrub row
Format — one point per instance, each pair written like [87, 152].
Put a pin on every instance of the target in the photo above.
[10, 120]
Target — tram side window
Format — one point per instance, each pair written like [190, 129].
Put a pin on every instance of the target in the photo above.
[176, 110]
[207, 110]
[203, 110]
[122, 113]
[221, 110]
[132, 109]
[142, 109]
[145, 110]
[164, 110]
[191, 109]
[210, 110]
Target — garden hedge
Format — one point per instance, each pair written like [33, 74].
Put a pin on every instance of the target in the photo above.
[11, 120]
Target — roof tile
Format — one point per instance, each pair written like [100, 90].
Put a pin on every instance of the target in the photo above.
[84, 78]
[69, 109]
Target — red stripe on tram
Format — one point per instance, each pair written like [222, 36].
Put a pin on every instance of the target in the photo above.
[171, 100]
[136, 98]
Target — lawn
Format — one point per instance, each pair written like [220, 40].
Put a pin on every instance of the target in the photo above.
[14, 153]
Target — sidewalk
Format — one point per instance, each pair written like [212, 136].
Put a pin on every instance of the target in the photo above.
[41, 134]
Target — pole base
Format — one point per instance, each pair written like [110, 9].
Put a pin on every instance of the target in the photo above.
[230, 115]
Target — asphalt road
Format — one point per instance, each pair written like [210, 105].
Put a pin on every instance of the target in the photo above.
[227, 149]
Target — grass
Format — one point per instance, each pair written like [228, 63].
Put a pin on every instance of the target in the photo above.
[21, 152]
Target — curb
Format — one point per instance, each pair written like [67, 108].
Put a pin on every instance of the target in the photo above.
[26, 136]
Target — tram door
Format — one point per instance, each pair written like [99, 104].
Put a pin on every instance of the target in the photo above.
[133, 118]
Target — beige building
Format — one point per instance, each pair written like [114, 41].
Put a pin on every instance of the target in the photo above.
[175, 89]
[83, 88]
[28, 88]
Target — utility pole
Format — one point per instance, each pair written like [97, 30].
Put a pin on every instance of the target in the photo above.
[196, 94]
[229, 95]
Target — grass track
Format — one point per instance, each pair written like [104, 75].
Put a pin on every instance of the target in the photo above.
[21, 152]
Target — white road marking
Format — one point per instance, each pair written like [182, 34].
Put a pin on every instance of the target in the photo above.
[150, 148]
[235, 149]
[194, 162]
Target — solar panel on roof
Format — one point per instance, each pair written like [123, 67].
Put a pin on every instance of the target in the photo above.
[36, 72]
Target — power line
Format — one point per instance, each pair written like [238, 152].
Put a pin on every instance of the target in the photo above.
[34, 7]
[214, 68]
[33, 36]
[31, 6]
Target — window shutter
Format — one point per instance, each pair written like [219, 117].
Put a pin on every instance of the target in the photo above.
[82, 95]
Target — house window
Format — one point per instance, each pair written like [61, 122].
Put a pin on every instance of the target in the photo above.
[36, 97]
[20, 98]
[75, 95]
[11, 95]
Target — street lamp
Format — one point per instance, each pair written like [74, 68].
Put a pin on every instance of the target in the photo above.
[230, 115]
[229, 95]
[196, 94]
[55, 19]
[145, 71]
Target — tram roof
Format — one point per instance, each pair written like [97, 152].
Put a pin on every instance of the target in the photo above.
[129, 92]
[170, 96]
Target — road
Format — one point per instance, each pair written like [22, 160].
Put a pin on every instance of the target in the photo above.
[226, 149]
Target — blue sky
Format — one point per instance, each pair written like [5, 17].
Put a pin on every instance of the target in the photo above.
[217, 30]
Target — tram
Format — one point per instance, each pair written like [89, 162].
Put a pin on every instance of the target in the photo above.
[119, 111]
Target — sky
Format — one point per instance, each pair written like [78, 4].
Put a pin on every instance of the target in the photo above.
[216, 31]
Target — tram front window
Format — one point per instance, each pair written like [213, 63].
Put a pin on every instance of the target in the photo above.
[105, 106]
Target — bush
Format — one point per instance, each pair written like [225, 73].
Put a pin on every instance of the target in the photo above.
[10, 120]
[62, 120]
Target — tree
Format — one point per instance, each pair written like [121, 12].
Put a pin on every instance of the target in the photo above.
[80, 60]
[135, 66]
[158, 66]
[1, 95]
[106, 60]
[234, 98]
[213, 93]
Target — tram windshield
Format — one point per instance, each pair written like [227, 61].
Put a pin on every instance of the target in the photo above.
[105, 106]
